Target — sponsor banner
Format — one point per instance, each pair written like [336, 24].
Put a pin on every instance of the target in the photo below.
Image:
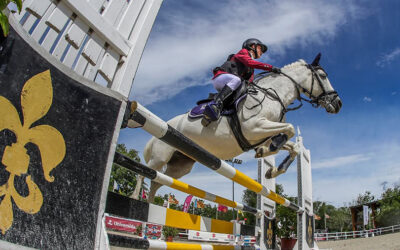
[120, 224]
[153, 231]
[206, 236]
[249, 240]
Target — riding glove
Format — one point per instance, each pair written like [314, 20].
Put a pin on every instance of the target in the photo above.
[276, 70]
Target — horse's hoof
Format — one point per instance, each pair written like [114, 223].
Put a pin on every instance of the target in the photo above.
[259, 152]
[268, 174]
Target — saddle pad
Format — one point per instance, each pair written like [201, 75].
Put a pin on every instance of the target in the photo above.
[198, 110]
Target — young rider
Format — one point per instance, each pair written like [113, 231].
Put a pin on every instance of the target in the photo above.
[228, 77]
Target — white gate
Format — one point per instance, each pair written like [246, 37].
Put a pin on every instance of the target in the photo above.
[102, 40]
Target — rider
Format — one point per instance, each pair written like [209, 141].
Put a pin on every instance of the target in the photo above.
[238, 67]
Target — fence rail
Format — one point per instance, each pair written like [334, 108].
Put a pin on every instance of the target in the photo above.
[356, 234]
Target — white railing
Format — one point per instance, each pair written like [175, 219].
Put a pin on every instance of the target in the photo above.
[102, 40]
[356, 234]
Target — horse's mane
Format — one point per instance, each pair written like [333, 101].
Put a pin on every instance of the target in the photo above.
[294, 64]
[286, 67]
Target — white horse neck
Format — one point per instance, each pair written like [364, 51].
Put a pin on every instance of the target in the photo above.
[283, 86]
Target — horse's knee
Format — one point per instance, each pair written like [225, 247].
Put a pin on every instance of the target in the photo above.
[290, 131]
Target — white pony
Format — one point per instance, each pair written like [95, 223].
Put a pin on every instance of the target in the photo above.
[261, 117]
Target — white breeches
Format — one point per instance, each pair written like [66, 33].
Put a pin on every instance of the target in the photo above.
[226, 79]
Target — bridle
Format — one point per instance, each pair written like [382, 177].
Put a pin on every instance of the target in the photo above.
[315, 101]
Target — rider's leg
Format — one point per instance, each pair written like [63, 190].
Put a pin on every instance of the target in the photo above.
[225, 84]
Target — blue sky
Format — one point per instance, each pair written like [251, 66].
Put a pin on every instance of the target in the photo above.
[353, 151]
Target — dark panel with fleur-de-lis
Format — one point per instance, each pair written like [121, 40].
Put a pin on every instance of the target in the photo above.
[55, 137]
[269, 233]
[310, 230]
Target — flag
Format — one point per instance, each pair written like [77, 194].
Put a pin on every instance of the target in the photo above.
[115, 186]
[200, 204]
[317, 217]
[365, 215]
[186, 205]
[172, 200]
[222, 208]
[327, 216]
[144, 195]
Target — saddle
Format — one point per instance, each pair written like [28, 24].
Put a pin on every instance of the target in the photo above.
[230, 111]
[229, 108]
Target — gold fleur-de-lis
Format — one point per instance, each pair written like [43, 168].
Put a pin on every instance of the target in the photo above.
[310, 230]
[269, 234]
[36, 100]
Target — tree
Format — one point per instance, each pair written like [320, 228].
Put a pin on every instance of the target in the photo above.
[124, 178]
[364, 198]
[389, 212]
[250, 199]
[340, 220]
[4, 18]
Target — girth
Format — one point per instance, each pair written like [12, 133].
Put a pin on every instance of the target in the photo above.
[244, 144]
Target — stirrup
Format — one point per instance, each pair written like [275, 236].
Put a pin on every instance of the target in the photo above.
[205, 121]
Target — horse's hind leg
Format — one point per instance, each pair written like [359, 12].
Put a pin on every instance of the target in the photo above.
[159, 154]
[178, 166]
[153, 164]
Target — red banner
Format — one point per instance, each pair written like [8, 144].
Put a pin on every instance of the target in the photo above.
[122, 224]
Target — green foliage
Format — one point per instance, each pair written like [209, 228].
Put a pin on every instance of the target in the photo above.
[158, 200]
[340, 220]
[125, 178]
[3, 17]
[169, 231]
[287, 219]
[364, 198]
[285, 216]
[389, 212]
[139, 229]
[250, 199]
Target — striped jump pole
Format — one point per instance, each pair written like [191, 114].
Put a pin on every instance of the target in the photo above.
[142, 117]
[138, 243]
[163, 179]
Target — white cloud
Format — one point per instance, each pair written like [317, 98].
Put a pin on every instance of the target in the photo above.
[367, 99]
[388, 58]
[341, 161]
[186, 45]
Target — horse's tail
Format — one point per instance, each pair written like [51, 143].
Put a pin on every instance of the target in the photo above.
[148, 150]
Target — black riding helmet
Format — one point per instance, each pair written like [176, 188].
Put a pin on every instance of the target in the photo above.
[253, 41]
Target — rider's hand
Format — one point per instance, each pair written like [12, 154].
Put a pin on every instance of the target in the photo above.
[276, 70]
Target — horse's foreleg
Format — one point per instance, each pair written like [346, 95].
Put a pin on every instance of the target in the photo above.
[294, 150]
[270, 129]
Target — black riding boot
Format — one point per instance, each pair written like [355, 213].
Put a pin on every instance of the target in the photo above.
[213, 111]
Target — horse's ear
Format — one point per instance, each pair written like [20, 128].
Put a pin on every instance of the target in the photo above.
[316, 60]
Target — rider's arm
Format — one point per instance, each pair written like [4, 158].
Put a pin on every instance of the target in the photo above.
[243, 57]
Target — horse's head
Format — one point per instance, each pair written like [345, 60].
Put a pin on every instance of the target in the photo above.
[321, 91]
